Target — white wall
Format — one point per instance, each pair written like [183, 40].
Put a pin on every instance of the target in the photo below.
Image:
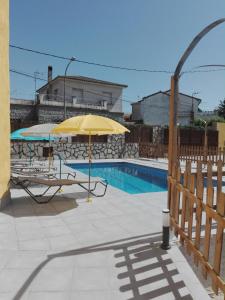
[136, 111]
[93, 93]
[154, 110]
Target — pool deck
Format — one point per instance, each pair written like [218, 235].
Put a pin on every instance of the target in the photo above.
[105, 250]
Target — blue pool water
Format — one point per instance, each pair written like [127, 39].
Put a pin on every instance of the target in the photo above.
[129, 177]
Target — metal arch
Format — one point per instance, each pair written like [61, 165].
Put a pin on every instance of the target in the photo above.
[193, 44]
[172, 151]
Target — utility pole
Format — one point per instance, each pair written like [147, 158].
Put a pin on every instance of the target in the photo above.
[64, 84]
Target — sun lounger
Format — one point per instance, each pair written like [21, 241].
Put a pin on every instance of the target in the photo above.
[31, 168]
[45, 174]
[25, 183]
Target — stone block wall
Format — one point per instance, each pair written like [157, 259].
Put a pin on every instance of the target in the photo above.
[114, 149]
[52, 114]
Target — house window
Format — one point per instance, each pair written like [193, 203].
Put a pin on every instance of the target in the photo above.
[55, 94]
[77, 95]
[107, 96]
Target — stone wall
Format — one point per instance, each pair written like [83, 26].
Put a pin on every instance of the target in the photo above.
[157, 134]
[113, 149]
[53, 114]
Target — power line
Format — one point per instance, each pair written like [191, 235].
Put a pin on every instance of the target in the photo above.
[89, 62]
[111, 66]
[87, 91]
[26, 75]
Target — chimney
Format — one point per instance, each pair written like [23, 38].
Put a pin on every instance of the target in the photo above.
[49, 73]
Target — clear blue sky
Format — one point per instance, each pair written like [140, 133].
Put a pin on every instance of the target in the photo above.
[147, 34]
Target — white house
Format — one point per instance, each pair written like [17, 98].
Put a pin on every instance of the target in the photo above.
[154, 109]
[82, 95]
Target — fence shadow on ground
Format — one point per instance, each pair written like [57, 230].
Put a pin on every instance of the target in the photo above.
[147, 269]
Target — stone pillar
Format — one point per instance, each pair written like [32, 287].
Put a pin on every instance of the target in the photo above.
[157, 135]
[4, 104]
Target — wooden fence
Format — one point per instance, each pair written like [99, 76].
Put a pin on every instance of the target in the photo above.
[197, 208]
[200, 153]
[148, 150]
[185, 153]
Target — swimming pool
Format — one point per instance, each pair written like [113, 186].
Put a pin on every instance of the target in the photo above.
[128, 177]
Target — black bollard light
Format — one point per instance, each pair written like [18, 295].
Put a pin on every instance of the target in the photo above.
[166, 229]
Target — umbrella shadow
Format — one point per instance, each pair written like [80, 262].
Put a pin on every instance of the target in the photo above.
[27, 207]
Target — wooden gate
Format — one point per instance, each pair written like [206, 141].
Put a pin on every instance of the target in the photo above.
[197, 208]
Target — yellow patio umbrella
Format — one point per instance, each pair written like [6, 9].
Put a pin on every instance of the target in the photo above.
[89, 125]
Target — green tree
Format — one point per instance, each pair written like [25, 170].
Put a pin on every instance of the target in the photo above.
[221, 109]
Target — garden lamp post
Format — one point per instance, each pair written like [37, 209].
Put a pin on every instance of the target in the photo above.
[64, 84]
[205, 140]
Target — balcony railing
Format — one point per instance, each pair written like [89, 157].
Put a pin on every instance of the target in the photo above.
[70, 102]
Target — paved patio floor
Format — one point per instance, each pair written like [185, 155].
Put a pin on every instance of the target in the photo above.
[105, 250]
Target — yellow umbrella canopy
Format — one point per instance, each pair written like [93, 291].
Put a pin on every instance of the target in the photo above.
[89, 125]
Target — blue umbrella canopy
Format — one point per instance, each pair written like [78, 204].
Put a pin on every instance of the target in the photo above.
[17, 135]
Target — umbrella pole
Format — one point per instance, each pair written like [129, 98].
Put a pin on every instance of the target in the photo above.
[30, 152]
[89, 171]
[49, 155]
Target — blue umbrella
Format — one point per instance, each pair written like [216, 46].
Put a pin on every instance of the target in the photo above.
[17, 135]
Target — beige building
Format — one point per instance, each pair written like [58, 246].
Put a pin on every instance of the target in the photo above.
[4, 103]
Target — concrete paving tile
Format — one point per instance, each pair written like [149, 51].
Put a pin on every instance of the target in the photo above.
[61, 261]
[183, 291]
[5, 257]
[177, 278]
[10, 296]
[36, 244]
[50, 221]
[81, 227]
[12, 279]
[103, 223]
[149, 274]
[171, 267]
[6, 217]
[144, 263]
[7, 227]
[146, 288]
[74, 219]
[8, 241]
[27, 218]
[95, 216]
[167, 296]
[88, 279]
[25, 260]
[49, 296]
[197, 291]
[23, 213]
[30, 234]
[90, 236]
[91, 295]
[118, 295]
[94, 259]
[52, 280]
[116, 283]
[62, 242]
[25, 226]
[54, 231]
